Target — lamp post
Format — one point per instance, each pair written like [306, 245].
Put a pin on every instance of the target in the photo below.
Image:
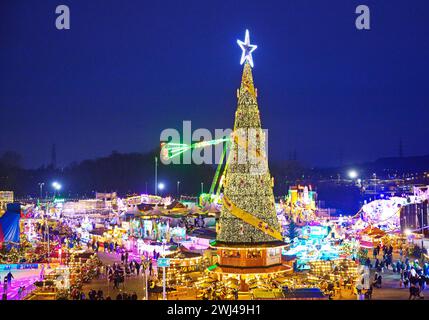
[423, 230]
[164, 294]
[156, 176]
[145, 272]
[57, 187]
[202, 187]
[41, 184]
[47, 230]
[375, 185]
[178, 186]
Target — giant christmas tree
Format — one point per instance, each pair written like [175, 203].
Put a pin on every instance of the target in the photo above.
[248, 215]
[249, 239]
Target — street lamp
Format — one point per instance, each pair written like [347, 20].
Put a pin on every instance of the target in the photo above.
[353, 174]
[156, 176]
[178, 186]
[202, 187]
[422, 225]
[161, 187]
[56, 186]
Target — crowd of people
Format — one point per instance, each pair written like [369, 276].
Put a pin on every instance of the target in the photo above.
[99, 295]
[110, 247]
[414, 277]
[117, 272]
[412, 274]
[217, 291]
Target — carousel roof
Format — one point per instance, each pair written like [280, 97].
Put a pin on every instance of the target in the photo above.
[175, 212]
[254, 245]
[253, 270]
[203, 233]
[176, 205]
[211, 208]
[184, 254]
[373, 231]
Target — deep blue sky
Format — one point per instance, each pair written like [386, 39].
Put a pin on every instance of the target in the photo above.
[128, 69]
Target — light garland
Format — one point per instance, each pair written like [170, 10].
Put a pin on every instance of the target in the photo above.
[245, 186]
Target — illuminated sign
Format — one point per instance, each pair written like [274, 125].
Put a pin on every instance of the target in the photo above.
[163, 262]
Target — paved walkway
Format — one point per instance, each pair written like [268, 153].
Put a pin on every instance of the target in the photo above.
[390, 289]
[131, 284]
[24, 278]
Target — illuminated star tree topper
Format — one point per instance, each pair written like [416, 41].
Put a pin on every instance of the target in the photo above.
[247, 49]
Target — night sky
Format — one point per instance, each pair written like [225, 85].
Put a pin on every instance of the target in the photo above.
[126, 70]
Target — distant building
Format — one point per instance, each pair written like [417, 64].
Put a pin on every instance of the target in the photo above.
[5, 198]
[414, 216]
[106, 196]
[84, 206]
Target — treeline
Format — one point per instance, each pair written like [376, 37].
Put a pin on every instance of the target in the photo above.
[135, 173]
[124, 173]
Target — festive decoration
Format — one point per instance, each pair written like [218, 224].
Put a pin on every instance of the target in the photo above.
[247, 49]
[300, 204]
[292, 231]
[251, 219]
[249, 239]
[248, 185]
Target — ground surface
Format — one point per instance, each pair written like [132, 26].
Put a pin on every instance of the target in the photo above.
[390, 289]
[24, 278]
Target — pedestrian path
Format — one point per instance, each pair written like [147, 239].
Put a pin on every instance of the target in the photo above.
[13, 289]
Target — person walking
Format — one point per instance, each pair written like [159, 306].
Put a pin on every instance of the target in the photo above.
[374, 252]
[379, 279]
[9, 277]
[414, 292]
[382, 264]
[368, 262]
[368, 293]
[376, 277]
[138, 265]
[42, 272]
[116, 279]
[398, 266]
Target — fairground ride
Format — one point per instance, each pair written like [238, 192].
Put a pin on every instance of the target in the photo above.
[172, 150]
